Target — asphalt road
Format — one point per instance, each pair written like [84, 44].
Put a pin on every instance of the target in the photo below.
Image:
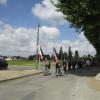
[73, 86]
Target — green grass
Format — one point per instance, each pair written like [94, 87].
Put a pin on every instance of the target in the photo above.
[27, 63]
[22, 62]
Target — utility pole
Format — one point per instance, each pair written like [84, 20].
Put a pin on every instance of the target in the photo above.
[37, 47]
[61, 53]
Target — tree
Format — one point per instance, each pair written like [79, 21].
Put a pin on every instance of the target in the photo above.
[76, 54]
[84, 15]
[70, 53]
[61, 55]
[65, 55]
[47, 56]
[32, 57]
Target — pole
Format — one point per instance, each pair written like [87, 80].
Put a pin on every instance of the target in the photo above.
[61, 53]
[37, 62]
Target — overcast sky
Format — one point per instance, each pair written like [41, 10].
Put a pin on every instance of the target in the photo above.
[18, 29]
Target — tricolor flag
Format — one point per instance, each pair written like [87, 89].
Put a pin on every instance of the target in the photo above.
[55, 54]
[40, 53]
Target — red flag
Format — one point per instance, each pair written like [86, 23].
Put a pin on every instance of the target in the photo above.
[40, 53]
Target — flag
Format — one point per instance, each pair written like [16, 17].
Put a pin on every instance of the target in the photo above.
[55, 54]
[40, 53]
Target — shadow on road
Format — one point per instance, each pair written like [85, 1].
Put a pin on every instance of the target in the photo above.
[88, 71]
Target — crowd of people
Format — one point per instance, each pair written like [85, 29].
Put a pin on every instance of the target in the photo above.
[63, 67]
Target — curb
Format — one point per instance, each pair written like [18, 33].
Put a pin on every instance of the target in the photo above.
[20, 77]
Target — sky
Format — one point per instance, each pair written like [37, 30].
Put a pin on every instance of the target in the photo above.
[18, 29]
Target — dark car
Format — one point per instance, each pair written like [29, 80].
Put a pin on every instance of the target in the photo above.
[3, 64]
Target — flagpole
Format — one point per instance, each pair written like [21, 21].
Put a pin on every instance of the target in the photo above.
[61, 54]
[37, 60]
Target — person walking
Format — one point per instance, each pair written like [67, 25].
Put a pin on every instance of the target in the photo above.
[47, 67]
[58, 68]
[88, 63]
[73, 64]
[65, 66]
[69, 65]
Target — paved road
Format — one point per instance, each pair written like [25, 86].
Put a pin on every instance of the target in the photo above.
[73, 86]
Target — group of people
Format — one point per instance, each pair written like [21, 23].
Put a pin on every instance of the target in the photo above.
[63, 67]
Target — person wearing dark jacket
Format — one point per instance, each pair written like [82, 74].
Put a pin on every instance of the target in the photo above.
[65, 66]
[73, 64]
[69, 65]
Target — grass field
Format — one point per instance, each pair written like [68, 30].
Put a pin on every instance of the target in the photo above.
[23, 62]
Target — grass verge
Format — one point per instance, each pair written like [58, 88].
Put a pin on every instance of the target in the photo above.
[23, 62]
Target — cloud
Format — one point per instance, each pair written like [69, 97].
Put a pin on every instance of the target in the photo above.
[22, 41]
[3, 2]
[50, 32]
[46, 11]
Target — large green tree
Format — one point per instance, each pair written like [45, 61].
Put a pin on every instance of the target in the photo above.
[84, 15]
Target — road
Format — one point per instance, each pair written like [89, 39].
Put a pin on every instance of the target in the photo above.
[73, 86]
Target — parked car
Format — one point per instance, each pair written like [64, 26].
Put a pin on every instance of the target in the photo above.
[3, 64]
